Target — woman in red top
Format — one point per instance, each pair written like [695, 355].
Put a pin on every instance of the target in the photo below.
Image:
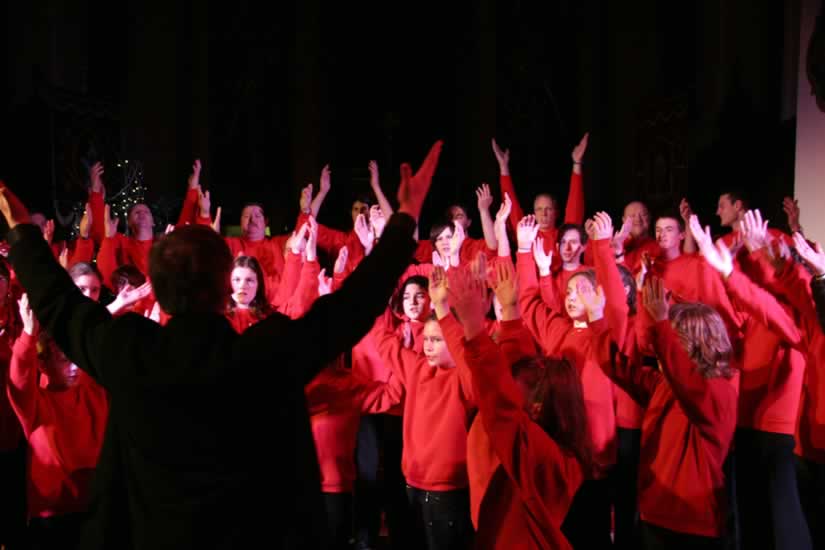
[63, 419]
[532, 454]
[248, 303]
[689, 420]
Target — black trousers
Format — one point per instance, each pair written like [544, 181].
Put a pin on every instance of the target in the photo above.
[587, 524]
[339, 520]
[56, 532]
[380, 485]
[810, 477]
[770, 513]
[443, 518]
[13, 498]
[625, 477]
[658, 538]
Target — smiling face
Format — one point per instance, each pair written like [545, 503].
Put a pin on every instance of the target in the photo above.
[253, 222]
[639, 215]
[244, 286]
[571, 247]
[435, 347]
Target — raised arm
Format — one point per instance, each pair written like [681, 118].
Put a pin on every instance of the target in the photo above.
[506, 183]
[364, 294]
[97, 196]
[600, 231]
[485, 200]
[574, 209]
[375, 184]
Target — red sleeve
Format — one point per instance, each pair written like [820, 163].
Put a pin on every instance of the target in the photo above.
[424, 252]
[796, 284]
[471, 248]
[608, 276]
[107, 258]
[549, 292]
[402, 362]
[516, 213]
[515, 341]
[22, 386]
[338, 280]
[189, 209]
[709, 403]
[330, 240]
[454, 337]
[574, 210]
[98, 230]
[548, 327]
[305, 293]
[626, 372]
[379, 397]
[83, 251]
[763, 307]
[290, 277]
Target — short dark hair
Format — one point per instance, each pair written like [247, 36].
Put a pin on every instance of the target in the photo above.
[630, 282]
[189, 269]
[127, 274]
[438, 228]
[397, 300]
[571, 227]
[671, 214]
[737, 194]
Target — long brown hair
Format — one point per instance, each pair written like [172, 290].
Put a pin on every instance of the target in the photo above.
[557, 391]
[704, 337]
[259, 305]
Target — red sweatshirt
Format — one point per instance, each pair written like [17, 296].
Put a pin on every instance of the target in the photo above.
[64, 430]
[635, 247]
[686, 434]
[437, 408]
[98, 229]
[10, 432]
[119, 250]
[268, 252]
[470, 248]
[554, 286]
[521, 481]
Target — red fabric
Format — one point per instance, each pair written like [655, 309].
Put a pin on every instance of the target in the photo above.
[241, 319]
[119, 250]
[687, 430]
[514, 340]
[336, 398]
[10, 432]
[64, 431]
[634, 248]
[561, 339]
[98, 230]
[470, 248]
[189, 211]
[437, 408]
[268, 252]
[521, 481]
[331, 240]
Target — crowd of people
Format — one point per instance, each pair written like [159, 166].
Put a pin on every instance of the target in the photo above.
[588, 384]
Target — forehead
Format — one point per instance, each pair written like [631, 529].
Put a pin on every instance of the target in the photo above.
[667, 223]
[86, 280]
[571, 235]
[456, 211]
[251, 210]
[635, 208]
[432, 328]
[413, 288]
[542, 201]
[140, 208]
[446, 233]
[725, 199]
[576, 280]
[242, 271]
[359, 205]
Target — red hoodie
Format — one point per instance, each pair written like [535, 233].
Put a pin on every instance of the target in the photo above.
[64, 431]
[686, 434]
[521, 481]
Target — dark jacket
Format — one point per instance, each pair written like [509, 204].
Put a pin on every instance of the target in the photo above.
[208, 443]
[818, 290]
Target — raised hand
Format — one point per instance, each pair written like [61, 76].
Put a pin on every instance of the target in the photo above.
[130, 295]
[718, 256]
[364, 233]
[109, 223]
[645, 267]
[63, 258]
[754, 231]
[814, 258]
[685, 210]
[324, 283]
[96, 178]
[620, 237]
[456, 240]
[592, 298]
[296, 241]
[467, 293]
[377, 220]
[27, 315]
[500, 226]
[85, 227]
[438, 287]
[312, 240]
[654, 298]
[12, 209]
[154, 313]
[341, 260]
[204, 203]
[306, 198]
[526, 233]
[543, 259]
[195, 176]
[503, 158]
[504, 283]
[216, 223]
[485, 198]
[324, 182]
[48, 231]
[169, 229]
[413, 188]
[580, 149]
[374, 179]
[791, 208]
[599, 227]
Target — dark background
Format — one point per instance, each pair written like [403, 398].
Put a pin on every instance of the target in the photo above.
[681, 98]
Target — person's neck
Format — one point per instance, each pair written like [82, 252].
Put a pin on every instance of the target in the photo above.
[571, 266]
[239, 305]
[253, 239]
[143, 234]
[669, 254]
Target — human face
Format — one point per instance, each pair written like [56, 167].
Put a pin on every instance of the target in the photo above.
[728, 211]
[570, 247]
[39, 220]
[253, 223]
[359, 208]
[668, 234]
[61, 374]
[545, 212]
[416, 302]
[89, 285]
[457, 214]
[244, 286]
[435, 348]
[572, 301]
[442, 242]
[140, 218]
[640, 217]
